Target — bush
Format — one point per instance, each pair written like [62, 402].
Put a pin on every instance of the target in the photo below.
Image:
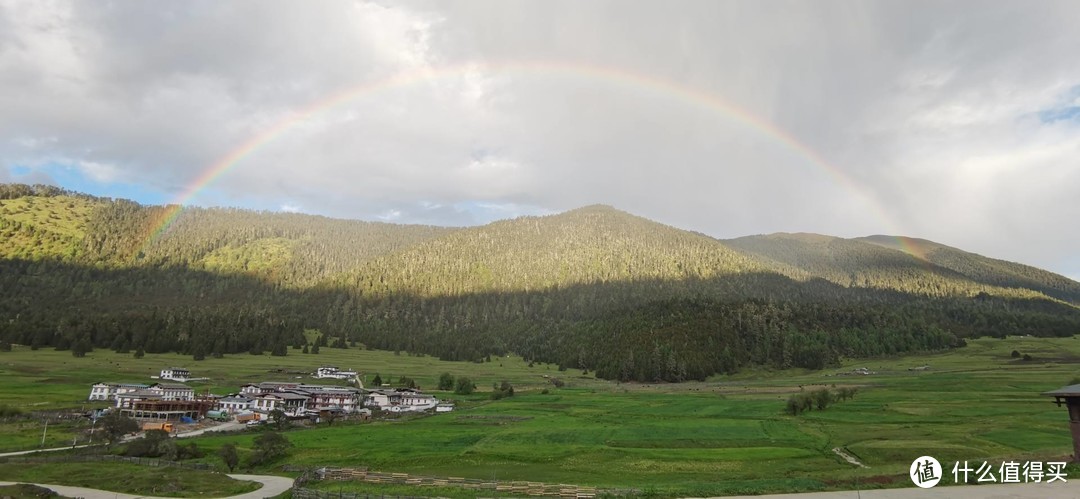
[7, 411]
[502, 390]
[446, 381]
[229, 456]
[464, 386]
[189, 451]
[116, 425]
[406, 382]
[1015, 354]
[822, 398]
[268, 447]
[156, 443]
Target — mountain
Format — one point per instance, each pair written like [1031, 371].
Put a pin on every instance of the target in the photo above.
[595, 244]
[910, 265]
[981, 269]
[594, 288]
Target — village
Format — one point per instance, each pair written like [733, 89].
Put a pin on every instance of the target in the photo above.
[169, 401]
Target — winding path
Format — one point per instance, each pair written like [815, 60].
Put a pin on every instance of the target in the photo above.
[271, 486]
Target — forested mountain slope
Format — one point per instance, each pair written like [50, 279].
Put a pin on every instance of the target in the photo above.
[595, 244]
[914, 266]
[985, 270]
[594, 288]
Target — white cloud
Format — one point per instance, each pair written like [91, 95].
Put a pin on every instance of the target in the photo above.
[390, 216]
[99, 172]
[290, 208]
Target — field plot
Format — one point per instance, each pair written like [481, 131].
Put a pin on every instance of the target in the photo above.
[723, 436]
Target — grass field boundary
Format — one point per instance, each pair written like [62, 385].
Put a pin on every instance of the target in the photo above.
[516, 488]
[143, 461]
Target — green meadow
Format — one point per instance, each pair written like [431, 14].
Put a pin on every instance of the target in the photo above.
[127, 478]
[725, 435]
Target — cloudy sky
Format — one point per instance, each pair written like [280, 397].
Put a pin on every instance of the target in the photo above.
[956, 122]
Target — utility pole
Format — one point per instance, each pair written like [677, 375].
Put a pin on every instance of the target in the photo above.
[43, 432]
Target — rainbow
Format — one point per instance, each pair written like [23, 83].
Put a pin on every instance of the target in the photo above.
[668, 88]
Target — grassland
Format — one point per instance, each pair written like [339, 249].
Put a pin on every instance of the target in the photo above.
[24, 491]
[726, 435]
[128, 478]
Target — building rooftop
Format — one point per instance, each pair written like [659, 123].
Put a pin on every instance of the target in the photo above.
[172, 386]
[140, 393]
[1065, 391]
[287, 396]
[236, 398]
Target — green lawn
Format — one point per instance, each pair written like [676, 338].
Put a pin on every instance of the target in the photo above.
[170, 481]
[723, 436]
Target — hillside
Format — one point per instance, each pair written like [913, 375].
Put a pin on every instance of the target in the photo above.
[990, 271]
[914, 266]
[594, 288]
[595, 244]
[283, 248]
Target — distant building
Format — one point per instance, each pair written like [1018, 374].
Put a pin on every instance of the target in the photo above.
[173, 391]
[345, 399]
[400, 400]
[164, 392]
[233, 404]
[255, 389]
[334, 373]
[271, 395]
[109, 391]
[175, 374]
[292, 404]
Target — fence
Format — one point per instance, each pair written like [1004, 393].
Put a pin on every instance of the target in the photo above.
[106, 457]
[482, 487]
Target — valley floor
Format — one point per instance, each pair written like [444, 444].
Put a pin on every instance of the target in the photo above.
[726, 436]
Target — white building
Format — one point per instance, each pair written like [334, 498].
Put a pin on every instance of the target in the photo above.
[256, 389]
[235, 403]
[175, 374]
[325, 398]
[292, 404]
[172, 391]
[334, 373]
[400, 400]
[128, 400]
[109, 391]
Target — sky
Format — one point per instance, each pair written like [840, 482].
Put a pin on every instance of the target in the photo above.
[957, 122]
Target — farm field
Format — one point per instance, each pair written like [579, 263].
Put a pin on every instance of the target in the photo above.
[728, 435]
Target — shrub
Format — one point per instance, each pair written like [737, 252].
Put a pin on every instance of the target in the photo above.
[446, 381]
[464, 386]
[502, 390]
